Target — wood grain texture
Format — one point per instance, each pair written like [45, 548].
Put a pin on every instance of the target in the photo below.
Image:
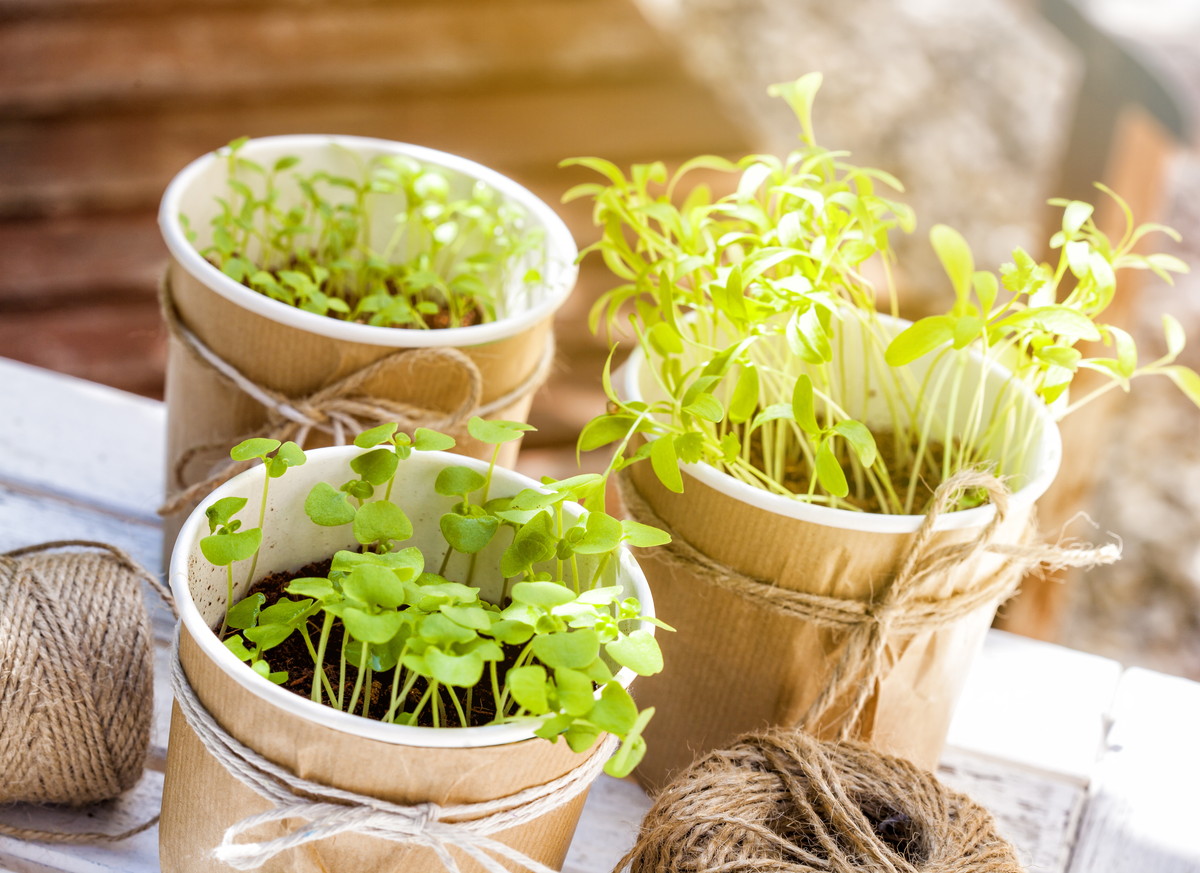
[1142, 814]
[80, 164]
[208, 53]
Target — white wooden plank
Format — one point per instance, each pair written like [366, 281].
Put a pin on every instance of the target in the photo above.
[1142, 817]
[1035, 705]
[64, 436]
[138, 854]
[1038, 813]
[608, 827]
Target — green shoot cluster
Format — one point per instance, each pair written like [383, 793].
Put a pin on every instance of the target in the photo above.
[307, 240]
[546, 653]
[758, 318]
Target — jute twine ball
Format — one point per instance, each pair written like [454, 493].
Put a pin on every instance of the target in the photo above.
[783, 801]
[76, 674]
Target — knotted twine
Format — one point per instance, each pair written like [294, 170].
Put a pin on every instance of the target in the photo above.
[76, 678]
[329, 811]
[784, 802]
[897, 609]
[341, 409]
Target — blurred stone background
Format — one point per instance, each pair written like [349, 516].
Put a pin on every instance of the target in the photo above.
[102, 101]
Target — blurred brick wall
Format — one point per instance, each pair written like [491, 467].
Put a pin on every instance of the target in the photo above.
[102, 101]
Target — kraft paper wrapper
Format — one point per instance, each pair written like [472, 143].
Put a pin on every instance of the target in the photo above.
[201, 799]
[734, 667]
[202, 408]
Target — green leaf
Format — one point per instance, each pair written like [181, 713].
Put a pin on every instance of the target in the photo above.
[1187, 381]
[571, 649]
[534, 542]
[498, 431]
[222, 511]
[706, 406]
[1076, 213]
[861, 441]
[426, 440]
[460, 671]
[377, 466]
[473, 617]
[544, 594]
[1172, 331]
[602, 534]
[638, 651]
[374, 585]
[244, 613]
[575, 692]
[745, 396]
[327, 506]
[369, 439]
[224, 549]
[237, 645]
[643, 535]
[311, 586]
[381, 521]
[529, 687]
[289, 455]
[920, 338]
[665, 339]
[829, 471]
[1056, 319]
[511, 633]
[955, 255]
[603, 430]
[802, 405]
[259, 447]
[458, 481]
[467, 533]
[368, 628]
[615, 711]
[665, 463]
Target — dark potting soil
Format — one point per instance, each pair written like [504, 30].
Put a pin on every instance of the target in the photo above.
[292, 656]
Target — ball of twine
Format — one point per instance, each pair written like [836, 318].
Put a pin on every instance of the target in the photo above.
[784, 801]
[76, 674]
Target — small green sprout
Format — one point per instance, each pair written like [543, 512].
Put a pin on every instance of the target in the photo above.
[390, 639]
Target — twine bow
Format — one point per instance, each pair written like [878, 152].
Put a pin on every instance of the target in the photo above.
[341, 409]
[330, 811]
[897, 608]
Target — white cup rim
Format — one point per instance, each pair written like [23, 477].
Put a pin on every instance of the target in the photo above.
[559, 244]
[1049, 456]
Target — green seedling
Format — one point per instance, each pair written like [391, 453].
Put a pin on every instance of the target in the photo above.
[762, 338]
[546, 652]
[450, 257]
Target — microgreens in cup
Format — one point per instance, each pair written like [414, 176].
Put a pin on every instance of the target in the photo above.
[764, 352]
[448, 256]
[407, 637]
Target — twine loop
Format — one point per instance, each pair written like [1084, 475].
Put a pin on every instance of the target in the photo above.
[76, 678]
[784, 802]
[897, 609]
[328, 811]
[341, 409]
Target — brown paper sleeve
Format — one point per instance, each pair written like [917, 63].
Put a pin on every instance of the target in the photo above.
[734, 667]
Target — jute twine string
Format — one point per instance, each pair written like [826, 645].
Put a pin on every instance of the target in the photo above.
[897, 608]
[330, 811]
[341, 409]
[784, 802]
[76, 678]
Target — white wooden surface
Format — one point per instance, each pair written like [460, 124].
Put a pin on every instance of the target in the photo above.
[1087, 768]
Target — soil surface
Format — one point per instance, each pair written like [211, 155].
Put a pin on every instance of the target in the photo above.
[293, 656]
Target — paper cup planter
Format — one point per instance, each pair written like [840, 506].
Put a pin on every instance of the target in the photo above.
[392, 763]
[737, 665]
[297, 357]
